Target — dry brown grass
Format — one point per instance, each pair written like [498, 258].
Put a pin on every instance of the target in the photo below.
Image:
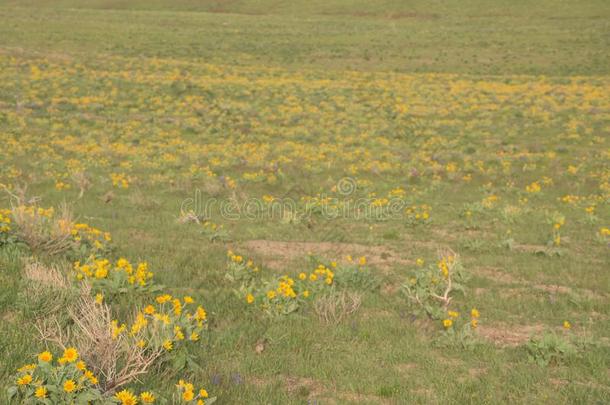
[189, 217]
[115, 361]
[118, 360]
[44, 276]
[48, 289]
[50, 235]
[81, 180]
[334, 308]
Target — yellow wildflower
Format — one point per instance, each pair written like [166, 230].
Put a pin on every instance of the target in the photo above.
[70, 355]
[69, 386]
[41, 392]
[25, 380]
[45, 357]
[126, 397]
[147, 397]
[188, 395]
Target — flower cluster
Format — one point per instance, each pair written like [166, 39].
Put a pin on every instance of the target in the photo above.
[126, 397]
[66, 380]
[418, 214]
[241, 269]
[119, 180]
[459, 330]
[276, 296]
[5, 227]
[116, 278]
[556, 236]
[45, 229]
[285, 294]
[214, 232]
[189, 395]
[167, 324]
[5, 221]
[91, 237]
[533, 188]
[449, 323]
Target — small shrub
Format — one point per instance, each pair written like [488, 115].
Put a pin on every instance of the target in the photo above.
[113, 358]
[432, 289]
[286, 294]
[42, 230]
[418, 215]
[120, 277]
[459, 330]
[167, 327]
[354, 275]
[549, 349]
[214, 232]
[54, 233]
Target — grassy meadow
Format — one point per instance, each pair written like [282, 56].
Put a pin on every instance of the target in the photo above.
[323, 202]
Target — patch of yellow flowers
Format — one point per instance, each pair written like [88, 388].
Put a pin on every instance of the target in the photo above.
[5, 221]
[285, 294]
[66, 380]
[168, 324]
[85, 233]
[452, 316]
[189, 395]
[418, 214]
[276, 296]
[110, 277]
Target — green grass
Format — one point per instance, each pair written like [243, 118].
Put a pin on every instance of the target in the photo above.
[452, 37]
[317, 89]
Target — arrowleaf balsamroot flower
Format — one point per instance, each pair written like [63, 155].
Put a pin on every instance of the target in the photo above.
[45, 357]
[69, 386]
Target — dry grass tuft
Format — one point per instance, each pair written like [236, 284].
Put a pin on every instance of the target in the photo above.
[43, 276]
[43, 232]
[333, 308]
[82, 182]
[189, 217]
[48, 289]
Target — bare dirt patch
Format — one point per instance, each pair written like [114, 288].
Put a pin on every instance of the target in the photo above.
[525, 248]
[495, 274]
[553, 289]
[361, 398]
[406, 368]
[315, 390]
[391, 16]
[300, 384]
[576, 292]
[509, 335]
[390, 288]
[279, 253]
[476, 372]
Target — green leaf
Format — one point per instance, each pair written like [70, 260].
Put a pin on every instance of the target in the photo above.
[11, 392]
